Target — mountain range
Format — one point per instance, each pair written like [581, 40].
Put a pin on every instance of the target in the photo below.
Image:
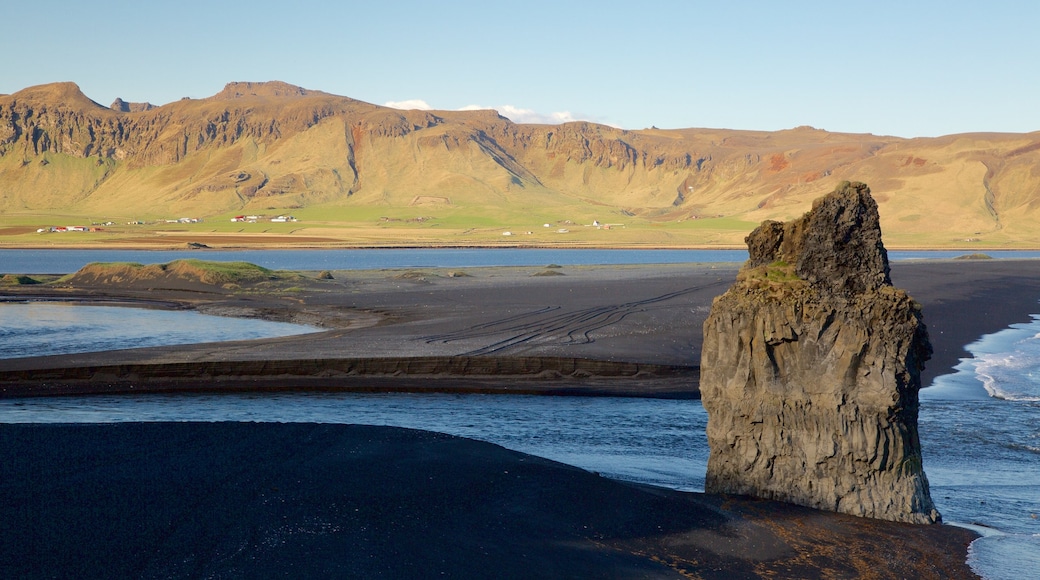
[346, 168]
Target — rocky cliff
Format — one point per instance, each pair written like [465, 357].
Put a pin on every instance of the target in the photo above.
[272, 146]
[810, 369]
[122, 106]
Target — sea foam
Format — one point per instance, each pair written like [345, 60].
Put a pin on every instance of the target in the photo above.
[1008, 362]
[1004, 365]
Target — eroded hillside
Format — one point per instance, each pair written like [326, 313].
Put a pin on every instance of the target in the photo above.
[273, 147]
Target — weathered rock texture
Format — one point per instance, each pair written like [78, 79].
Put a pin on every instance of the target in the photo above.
[124, 107]
[810, 369]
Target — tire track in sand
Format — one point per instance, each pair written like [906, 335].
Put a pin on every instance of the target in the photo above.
[551, 323]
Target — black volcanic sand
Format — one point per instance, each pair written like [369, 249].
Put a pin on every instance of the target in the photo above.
[199, 500]
[605, 318]
[246, 500]
[618, 330]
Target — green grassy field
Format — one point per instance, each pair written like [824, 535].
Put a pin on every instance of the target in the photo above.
[361, 226]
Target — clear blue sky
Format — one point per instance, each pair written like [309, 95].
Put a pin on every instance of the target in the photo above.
[910, 68]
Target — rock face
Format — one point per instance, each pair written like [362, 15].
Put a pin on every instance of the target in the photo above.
[124, 107]
[810, 369]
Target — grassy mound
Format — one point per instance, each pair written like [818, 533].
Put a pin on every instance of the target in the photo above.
[184, 271]
[15, 280]
[974, 257]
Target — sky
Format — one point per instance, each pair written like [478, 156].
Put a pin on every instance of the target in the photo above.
[910, 68]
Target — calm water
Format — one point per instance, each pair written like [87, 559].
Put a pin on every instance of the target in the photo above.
[645, 440]
[45, 328]
[66, 261]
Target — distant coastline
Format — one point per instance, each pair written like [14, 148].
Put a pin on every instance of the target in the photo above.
[260, 244]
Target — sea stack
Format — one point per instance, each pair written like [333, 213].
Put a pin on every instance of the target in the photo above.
[810, 369]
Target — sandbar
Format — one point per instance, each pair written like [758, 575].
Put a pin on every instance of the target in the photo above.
[618, 330]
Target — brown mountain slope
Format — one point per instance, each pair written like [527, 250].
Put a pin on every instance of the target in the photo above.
[274, 147]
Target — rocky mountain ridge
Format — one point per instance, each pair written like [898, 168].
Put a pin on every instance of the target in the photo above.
[121, 106]
[280, 145]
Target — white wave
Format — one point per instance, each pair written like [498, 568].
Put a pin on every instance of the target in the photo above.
[1007, 363]
[983, 531]
[1004, 557]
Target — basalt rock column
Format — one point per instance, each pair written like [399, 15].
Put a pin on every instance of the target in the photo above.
[810, 369]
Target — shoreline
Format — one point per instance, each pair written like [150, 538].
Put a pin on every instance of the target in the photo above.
[321, 500]
[165, 245]
[169, 245]
[583, 326]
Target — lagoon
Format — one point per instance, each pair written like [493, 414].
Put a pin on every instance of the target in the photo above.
[68, 261]
[49, 328]
[55, 261]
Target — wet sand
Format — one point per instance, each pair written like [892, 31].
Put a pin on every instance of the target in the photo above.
[236, 499]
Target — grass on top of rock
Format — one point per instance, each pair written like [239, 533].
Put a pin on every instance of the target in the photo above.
[776, 273]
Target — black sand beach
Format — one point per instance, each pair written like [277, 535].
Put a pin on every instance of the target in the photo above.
[245, 500]
[631, 331]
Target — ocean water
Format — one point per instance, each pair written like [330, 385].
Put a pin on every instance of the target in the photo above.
[45, 328]
[980, 435]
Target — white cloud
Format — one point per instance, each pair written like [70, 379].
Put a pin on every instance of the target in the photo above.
[519, 115]
[513, 113]
[409, 104]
